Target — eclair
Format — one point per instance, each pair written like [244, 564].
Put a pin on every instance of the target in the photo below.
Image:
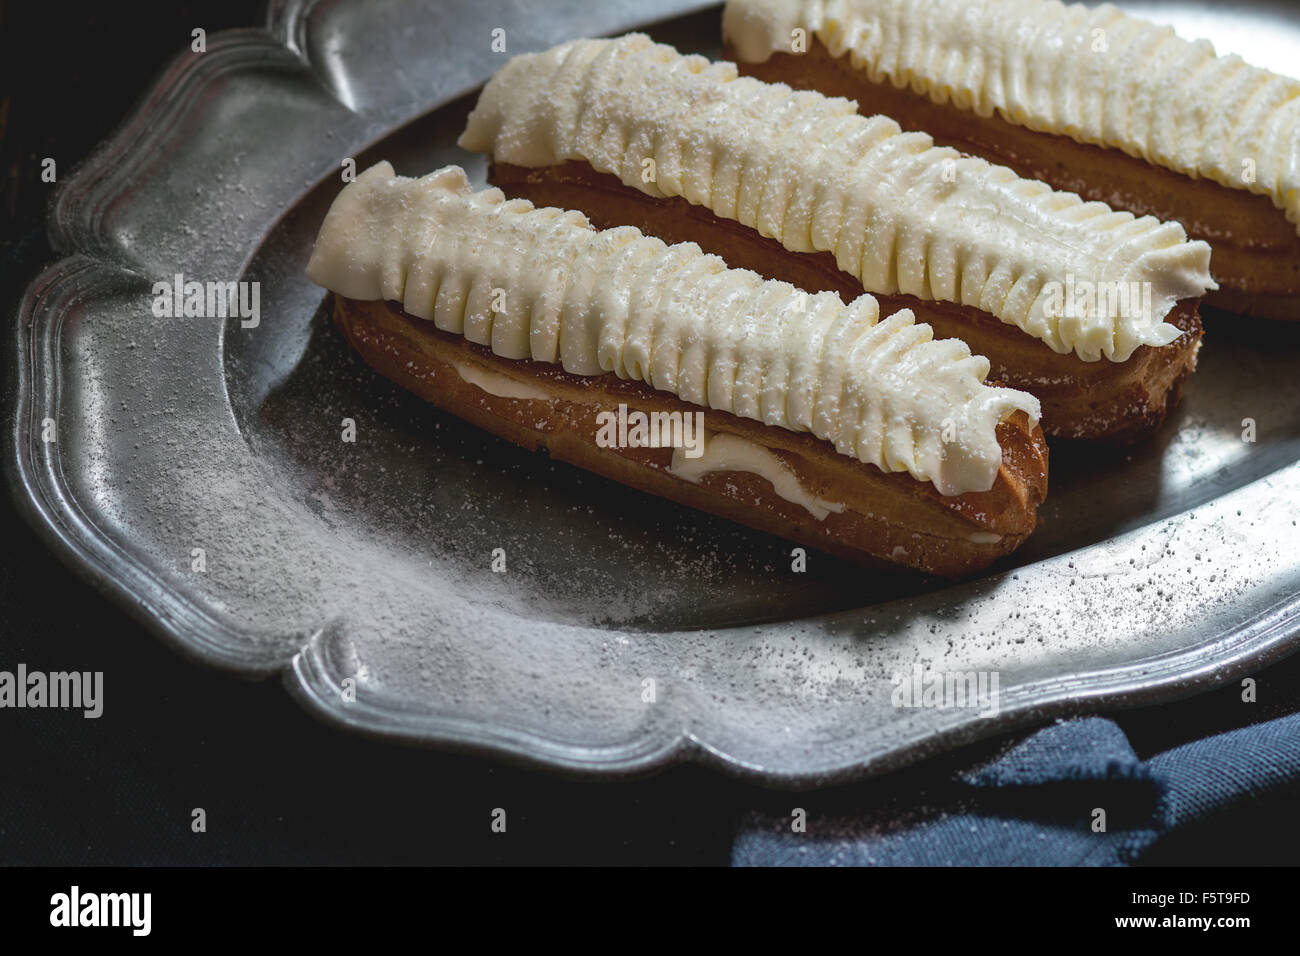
[1091, 310]
[658, 366]
[1087, 99]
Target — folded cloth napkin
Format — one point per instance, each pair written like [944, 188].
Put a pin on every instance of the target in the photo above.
[1037, 803]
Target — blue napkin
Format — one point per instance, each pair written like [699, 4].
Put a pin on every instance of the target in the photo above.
[1037, 803]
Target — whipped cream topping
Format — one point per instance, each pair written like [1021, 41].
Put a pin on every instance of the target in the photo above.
[1092, 73]
[542, 284]
[897, 212]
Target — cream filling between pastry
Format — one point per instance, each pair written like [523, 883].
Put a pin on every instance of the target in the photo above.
[502, 386]
[724, 452]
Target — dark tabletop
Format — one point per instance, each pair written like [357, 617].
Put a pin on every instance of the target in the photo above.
[277, 787]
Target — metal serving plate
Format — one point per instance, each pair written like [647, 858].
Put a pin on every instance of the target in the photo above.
[361, 571]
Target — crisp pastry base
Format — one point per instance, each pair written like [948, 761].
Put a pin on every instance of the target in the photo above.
[1115, 402]
[1256, 258]
[888, 519]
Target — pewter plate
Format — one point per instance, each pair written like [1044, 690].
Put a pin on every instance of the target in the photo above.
[198, 472]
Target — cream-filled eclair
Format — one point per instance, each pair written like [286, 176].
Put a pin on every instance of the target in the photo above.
[1094, 311]
[660, 367]
[1088, 99]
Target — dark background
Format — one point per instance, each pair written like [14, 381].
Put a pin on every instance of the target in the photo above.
[277, 786]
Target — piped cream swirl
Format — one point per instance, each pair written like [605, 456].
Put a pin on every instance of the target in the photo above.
[542, 284]
[1094, 74]
[897, 212]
